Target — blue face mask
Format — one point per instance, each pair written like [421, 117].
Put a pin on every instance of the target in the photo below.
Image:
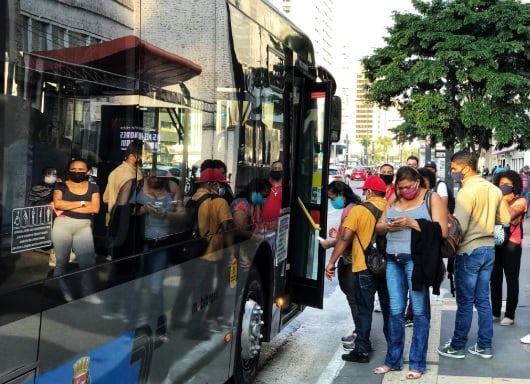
[258, 199]
[338, 203]
[506, 189]
[457, 176]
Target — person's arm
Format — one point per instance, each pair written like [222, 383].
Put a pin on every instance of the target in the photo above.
[439, 213]
[341, 245]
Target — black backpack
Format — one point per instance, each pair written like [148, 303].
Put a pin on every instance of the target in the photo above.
[450, 196]
[375, 251]
[196, 245]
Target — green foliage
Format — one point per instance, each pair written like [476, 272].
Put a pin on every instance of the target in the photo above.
[459, 71]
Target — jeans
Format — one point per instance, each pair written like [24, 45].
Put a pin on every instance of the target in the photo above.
[365, 286]
[472, 276]
[398, 276]
[507, 261]
[346, 284]
[72, 234]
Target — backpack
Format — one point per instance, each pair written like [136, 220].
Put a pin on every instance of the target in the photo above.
[450, 196]
[196, 245]
[375, 251]
[450, 244]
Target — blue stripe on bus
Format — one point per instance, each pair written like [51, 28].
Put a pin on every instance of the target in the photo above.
[109, 364]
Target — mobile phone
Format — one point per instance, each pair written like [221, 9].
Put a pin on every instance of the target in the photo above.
[389, 220]
[320, 238]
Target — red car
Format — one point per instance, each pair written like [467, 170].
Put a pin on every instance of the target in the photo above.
[358, 173]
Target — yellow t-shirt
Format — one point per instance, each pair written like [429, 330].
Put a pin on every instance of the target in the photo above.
[361, 221]
[117, 179]
[212, 213]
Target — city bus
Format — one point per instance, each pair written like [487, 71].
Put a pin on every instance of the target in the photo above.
[228, 80]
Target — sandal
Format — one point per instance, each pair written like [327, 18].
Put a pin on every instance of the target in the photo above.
[413, 374]
[382, 370]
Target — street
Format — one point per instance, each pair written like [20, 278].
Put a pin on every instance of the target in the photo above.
[309, 350]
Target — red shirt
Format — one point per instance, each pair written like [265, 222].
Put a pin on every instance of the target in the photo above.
[272, 208]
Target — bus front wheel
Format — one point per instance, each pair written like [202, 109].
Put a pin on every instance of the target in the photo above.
[249, 331]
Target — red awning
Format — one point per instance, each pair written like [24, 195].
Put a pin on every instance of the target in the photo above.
[126, 56]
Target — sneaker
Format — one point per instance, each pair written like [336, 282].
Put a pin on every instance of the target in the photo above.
[356, 357]
[506, 321]
[496, 319]
[485, 353]
[526, 339]
[349, 338]
[409, 323]
[449, 351]
[349, 346]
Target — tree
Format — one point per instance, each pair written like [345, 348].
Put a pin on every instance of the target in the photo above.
[458, 70]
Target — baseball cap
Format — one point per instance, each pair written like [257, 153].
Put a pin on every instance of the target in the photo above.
[212, 175]
[375, 183]
[430, 164]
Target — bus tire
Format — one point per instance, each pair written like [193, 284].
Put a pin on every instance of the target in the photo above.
[249, 333]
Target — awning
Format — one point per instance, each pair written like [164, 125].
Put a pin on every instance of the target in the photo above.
[127, 56]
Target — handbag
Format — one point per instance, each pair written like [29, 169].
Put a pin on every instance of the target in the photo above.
[501, 234]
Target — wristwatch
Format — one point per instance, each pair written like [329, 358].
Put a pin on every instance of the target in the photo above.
[83, 203]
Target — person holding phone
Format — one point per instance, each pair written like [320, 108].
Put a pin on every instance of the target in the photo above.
[342, 197]
[412, 236]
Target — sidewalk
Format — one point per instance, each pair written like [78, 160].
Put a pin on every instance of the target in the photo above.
[510, 362]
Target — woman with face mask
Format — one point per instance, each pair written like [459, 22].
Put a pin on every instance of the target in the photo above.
[342, 197]
[412, 232]
[508, 254]
[246, 208]
[75, 202]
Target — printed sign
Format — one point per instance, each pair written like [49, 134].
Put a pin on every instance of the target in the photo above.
[31, 228]
[282, 238]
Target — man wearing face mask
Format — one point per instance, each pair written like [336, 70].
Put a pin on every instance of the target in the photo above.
[225, 191]
[386, 172]
[479, 206]
[272, 208]
[130, 168]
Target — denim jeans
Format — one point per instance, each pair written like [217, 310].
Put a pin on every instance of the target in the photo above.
[398, 276]
[472, 277]
[365, 286]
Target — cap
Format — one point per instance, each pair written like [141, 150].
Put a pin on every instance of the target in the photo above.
[430, 164]
[375, 183]
[212, 175]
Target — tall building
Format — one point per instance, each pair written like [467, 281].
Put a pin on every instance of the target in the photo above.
[316, 19]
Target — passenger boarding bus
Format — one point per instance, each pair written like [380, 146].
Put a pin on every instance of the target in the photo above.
[228, 80]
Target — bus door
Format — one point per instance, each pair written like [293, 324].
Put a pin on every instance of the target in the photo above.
[311, 122]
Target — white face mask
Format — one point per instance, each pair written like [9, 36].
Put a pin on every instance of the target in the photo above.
[50, 179]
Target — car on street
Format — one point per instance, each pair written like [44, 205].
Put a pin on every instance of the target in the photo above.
[334, 174]
[358, 173]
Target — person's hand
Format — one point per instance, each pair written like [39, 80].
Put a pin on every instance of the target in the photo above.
[330, 271]
[395, 224]
[333, 232]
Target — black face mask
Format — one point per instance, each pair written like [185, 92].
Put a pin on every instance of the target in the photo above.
[276, 175]
[387, 178]
[77, 177]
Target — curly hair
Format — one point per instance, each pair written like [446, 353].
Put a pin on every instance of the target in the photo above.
[341, 188]
[513, 176]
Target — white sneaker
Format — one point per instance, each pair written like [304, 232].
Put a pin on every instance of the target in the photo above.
[526, 339]
[506, 321]
[93, 299]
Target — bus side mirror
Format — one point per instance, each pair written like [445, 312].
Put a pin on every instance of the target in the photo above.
[336, 114]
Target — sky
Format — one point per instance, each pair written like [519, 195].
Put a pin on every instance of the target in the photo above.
[367, 23]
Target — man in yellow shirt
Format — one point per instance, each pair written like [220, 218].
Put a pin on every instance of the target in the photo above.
[479, 206]
[358, 228]
[129, 169]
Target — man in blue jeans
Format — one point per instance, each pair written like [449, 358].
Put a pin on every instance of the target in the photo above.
[479, 206]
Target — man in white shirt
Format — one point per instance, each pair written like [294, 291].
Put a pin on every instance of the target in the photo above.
[440, 187]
